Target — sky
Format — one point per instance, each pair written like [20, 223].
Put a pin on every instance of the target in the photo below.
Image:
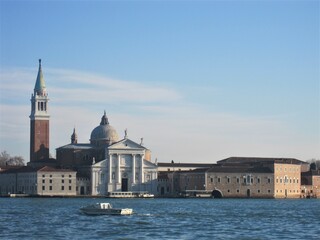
[199, 81]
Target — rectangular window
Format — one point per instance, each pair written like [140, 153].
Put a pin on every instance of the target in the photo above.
[62, 176]
[43, 188]
[238, 180]
[113, 175]
[228, 179]
[62, 188]
[50, 180]
[70, 181]
[43, 181]
[70, 188]
[211, 180]
[51, 176]
[269, 180]
[219, 180]
[50, 188]
[238, 190]
[62, 181]
[258, 180]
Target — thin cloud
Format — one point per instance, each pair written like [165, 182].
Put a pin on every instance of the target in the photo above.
[77, 86]
[172, 128]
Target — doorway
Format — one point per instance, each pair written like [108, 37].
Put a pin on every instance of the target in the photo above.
[248, 193]
[82, 190]
[124, 185]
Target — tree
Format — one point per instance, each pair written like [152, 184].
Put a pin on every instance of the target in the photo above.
[313, 166]
[6, 159]
[314, 163]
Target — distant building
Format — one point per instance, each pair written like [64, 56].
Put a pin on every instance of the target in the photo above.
[310, 184]
[170, 175]
[237, 177]
[44, 181]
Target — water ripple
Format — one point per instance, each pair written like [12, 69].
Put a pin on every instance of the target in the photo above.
[56, 218]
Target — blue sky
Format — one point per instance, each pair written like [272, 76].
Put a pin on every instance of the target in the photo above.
[199, 80]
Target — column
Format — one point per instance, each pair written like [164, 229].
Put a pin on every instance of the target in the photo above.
[110, 168]
[133, 168]
[141, 169]
[118, 169]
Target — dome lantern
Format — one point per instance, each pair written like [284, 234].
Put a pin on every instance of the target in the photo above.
[104, 134]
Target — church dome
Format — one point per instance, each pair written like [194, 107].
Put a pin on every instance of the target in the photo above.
[104, 133]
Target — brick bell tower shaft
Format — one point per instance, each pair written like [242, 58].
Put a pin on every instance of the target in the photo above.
[39, 120]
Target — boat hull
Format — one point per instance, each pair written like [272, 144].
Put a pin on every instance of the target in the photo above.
[113, 211]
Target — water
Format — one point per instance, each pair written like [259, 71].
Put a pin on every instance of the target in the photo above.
[60, 218]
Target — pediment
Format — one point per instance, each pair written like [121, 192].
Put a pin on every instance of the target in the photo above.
[126, 144]
[149, 164]
[103, 163]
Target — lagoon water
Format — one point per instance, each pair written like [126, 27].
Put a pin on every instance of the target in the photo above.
[60, 218]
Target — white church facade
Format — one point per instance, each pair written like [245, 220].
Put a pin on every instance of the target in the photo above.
[124, 170]
[110, 164]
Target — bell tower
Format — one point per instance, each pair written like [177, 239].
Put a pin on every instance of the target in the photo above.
[39, 120]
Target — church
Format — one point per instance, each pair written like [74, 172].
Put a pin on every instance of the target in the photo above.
[113, 164]
[105, 165]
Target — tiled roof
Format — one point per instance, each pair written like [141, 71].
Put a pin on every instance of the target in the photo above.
[238, 169]
[51, 169]
[77, 146]
[32, 169]
[260, 159]
[19, 169]
[190, 165]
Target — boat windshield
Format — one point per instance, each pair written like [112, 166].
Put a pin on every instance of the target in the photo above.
[105, 205]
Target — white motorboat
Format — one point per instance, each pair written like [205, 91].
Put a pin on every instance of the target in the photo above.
[105, 209]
